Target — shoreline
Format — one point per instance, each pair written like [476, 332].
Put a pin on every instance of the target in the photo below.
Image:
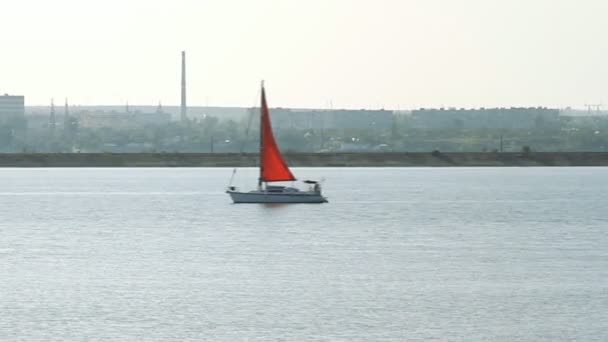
[391, 159]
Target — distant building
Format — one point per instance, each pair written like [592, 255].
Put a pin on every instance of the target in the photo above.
[122, 120]
[362, 119]
[570, 112]
[37, 123]
[483, 118]
[11, 107]
[331, 119]
[285, 118]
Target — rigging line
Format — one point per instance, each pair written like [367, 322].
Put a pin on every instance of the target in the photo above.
[232, 178]
[251, 111]
[247, 129]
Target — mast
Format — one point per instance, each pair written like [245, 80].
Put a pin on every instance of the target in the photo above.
[261, 137]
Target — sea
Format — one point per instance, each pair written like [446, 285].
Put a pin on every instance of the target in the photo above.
[398, 254]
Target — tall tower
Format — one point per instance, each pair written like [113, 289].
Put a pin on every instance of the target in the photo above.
[52, 121]
[66, 116]
[183, 110]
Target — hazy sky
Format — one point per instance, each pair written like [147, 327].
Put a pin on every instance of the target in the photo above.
[354, 53]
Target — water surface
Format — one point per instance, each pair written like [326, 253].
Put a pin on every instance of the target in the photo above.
[454, 254]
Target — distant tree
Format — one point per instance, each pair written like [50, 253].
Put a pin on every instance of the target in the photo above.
[6, 137]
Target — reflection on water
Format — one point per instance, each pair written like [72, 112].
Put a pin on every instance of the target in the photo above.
[275, 205]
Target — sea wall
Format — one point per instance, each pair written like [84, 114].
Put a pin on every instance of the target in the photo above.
[434, 159]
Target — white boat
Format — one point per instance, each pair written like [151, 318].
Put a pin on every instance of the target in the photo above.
[273, 168]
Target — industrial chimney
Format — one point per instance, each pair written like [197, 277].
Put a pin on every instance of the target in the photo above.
[183, 111]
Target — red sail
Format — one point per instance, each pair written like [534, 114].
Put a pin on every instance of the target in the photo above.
[272, 166]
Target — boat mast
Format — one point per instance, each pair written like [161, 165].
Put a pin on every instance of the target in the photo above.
[261, 138]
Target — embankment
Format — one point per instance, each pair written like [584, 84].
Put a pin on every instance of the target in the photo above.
[303, 159]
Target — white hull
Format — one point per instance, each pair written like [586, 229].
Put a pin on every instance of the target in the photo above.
[276, 197]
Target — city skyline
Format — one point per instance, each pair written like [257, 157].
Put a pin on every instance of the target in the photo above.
[340, 54]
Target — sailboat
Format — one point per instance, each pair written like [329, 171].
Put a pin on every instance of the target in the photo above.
[273, 168]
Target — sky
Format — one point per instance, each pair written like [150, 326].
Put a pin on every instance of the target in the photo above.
[393, 54]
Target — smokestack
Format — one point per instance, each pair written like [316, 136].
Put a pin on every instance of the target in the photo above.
[183, 111]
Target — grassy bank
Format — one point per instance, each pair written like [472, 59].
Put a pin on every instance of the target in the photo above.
[303, 159]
